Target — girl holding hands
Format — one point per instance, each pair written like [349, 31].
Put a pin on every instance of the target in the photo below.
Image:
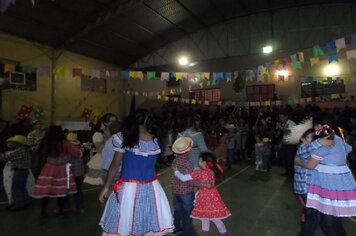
[208, 205]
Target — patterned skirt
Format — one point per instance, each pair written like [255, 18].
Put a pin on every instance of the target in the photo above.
[54, 181]
[332, 191]
[138, 209]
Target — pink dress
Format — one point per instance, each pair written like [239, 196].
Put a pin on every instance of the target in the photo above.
[208, 203]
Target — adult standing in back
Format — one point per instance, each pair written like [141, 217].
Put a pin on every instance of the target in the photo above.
[192, 124]
[287, 151]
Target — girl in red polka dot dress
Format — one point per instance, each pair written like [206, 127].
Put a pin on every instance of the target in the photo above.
[208, 205]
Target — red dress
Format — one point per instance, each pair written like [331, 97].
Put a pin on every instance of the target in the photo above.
[56, 178]
[208, 203]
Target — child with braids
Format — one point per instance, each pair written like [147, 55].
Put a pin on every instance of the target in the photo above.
[208, 205]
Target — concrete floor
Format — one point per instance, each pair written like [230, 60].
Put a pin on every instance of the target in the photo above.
[262, 204]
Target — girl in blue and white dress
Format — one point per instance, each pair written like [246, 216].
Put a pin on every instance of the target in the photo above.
[138, 205]
[332, 189]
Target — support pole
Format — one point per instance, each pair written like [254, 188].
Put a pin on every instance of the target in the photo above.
[53, 87]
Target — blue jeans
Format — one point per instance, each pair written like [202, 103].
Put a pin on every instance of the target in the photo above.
[229, 157]
[183, 206]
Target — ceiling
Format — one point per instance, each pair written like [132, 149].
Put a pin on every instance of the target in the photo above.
[123, 31]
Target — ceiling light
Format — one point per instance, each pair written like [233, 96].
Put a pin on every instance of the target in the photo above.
[267, 49]
[332, 70]
[183, 61]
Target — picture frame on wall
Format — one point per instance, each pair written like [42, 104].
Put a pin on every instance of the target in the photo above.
[17, 78]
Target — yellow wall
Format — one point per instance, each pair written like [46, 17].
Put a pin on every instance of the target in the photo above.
[70, 100]
[289, 89]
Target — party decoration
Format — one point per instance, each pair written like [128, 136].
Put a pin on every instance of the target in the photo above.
[86, 114]
[151, 75]
[39, 113]
[351, 54]
[340, 43]
[5, 4]
[124, 74]
[333, 57]
[9, 68]
[77, 72]
[24, 111]
[317, 51]
[314, 61]
[44, 71]
[164, 76]
[330, 45]
[301, 56]
[60, 71]
[95, 115]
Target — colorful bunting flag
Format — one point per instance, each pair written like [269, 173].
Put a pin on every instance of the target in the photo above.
[164, 76]
[330, 45]
[44, 71]
[293, 58]
[124, 74]
[297, 65]
[60, 71]
[353, 38]
[333, 57]
[9, 68]
[301, 56]
[95, 74]
[314, 61]
[27, 69]
[76, 72]
[151, 75]
[351, 54]
[317, 51]
[115, 74]
[340, 43]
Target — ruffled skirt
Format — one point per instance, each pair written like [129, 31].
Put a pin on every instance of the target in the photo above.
[142, 209]
[332, 191]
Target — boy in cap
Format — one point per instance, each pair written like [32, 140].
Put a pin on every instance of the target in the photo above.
[183, 192]
[20, 158]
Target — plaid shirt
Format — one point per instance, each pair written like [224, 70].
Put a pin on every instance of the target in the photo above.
[20, 158]
[185, 167]
[302, 175]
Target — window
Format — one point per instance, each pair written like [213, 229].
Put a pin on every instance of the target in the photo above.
[93, 84]
[256, 93]
[212, 95]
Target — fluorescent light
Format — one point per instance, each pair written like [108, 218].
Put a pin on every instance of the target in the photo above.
[183, 61]
[267, 49]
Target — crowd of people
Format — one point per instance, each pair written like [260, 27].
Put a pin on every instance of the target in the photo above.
[312, 144]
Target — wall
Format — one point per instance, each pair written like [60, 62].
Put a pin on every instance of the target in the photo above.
[69, 99]
[289, 89]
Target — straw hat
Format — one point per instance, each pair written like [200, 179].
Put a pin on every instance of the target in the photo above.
[266, 140]
[182, 145]
[73, 138]
[297, 131]
[20, 139]
[230, 126]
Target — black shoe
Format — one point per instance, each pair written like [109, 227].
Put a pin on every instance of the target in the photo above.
[17, 208]
[177, 232]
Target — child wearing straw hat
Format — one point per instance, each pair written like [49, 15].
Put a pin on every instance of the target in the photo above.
[183, 192]
[20, 160]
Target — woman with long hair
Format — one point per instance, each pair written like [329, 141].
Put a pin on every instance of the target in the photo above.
[138, 205]
[56, 178]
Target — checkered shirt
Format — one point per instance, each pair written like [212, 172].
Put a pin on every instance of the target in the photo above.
[185, 167]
